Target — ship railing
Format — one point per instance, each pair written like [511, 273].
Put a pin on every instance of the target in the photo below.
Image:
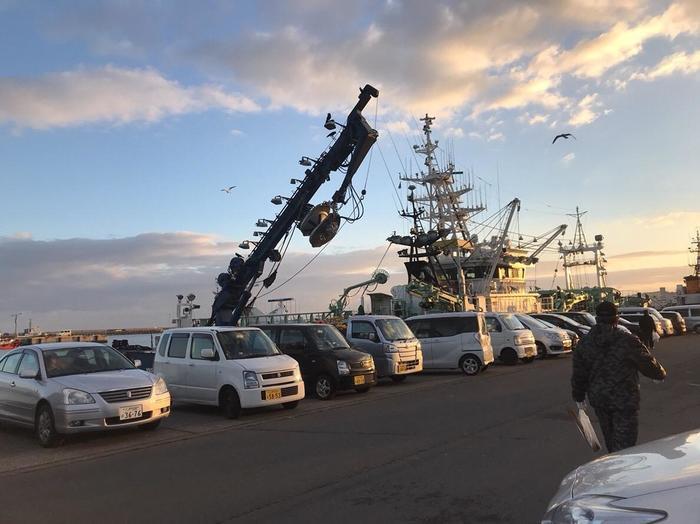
[292, 318]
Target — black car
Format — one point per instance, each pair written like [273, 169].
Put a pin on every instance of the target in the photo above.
[677, 321]
[582, 317]
[328, 364]
[563, 322]
[631, 326]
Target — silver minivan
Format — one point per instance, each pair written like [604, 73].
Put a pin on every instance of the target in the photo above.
[691, 315]
[453, 340]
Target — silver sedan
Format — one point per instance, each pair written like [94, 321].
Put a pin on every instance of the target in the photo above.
[73, 387]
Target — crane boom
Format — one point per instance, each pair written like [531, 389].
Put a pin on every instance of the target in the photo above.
[532, 259]
[354, 141]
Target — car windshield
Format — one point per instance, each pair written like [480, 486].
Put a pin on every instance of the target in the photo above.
[328, 337]
[532, 321]
[394, 329]
[547, 324]
[83, 359]
[511, 322]
[248, 343]
[590, 319]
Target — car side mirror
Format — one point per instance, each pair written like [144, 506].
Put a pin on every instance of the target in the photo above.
[137, 363]
[208, 353]
[28, 374]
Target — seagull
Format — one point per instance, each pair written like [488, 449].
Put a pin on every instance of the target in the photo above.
[228, 189]
[565, 136]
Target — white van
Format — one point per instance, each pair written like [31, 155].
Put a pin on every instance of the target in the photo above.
[666, 325]
[549, 339]
[233, 368]
[393, 346]
[511, 340]
[691, 315]
[453, 340]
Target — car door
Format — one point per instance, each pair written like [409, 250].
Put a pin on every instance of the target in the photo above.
[293, 342]
[495, 328]
[364, 336]
[421, 329]
[27, 393]
[202, 380]
[175, 365]
[446, 342]
[8, 383]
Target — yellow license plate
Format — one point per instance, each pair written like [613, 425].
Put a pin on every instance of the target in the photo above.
[402, 368]
[359, 379]
[273, 394]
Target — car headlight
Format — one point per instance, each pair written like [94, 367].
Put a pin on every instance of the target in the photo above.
[522, 339]
[250, 380]
[343, 368]
[390, 348]
[75, 396]
[297, 374]
[599, 509]
[160, 386]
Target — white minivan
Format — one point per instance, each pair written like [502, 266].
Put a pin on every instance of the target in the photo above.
[230, 367]
[453, 340]
[511, 340]
[549, 339]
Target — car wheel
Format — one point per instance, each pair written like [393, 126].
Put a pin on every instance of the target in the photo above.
[470, 365]
[324, 387]
[45, 427]
[362, 390]
[290, 405]
[509, 356]
[398, 378]
[229, 403]
[150, 426]
[541, 350]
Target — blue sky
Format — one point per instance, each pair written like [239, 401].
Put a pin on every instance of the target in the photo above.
[124, 119]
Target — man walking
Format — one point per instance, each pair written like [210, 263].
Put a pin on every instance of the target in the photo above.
[605, 368]
[647, 328]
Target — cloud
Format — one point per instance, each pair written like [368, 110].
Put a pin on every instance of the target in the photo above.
[108, 94]
[681, 62]
[587, 110]
[568, 158]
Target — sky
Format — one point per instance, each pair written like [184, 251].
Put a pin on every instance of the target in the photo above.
[121, 121]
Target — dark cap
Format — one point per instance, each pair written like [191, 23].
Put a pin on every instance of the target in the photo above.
[606, 310]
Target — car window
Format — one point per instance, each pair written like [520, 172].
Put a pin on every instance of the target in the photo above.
[29, 363]
[362, 329]
[9, 365]
[420, 328]
[292, 339]
[178, 345]
[83, 359]
[199, 342]
[451, 326]
[683, 312]
[695, 311]
[493, 325]
[511, 322]
[394, 329]
[163, 344]
[269, 332]
[250, 343]
[328, 337]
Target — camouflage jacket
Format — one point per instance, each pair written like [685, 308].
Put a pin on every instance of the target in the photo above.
[606, 366]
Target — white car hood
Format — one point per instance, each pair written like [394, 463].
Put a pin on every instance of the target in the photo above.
[267, 364]
[668, 463]
[107, 380]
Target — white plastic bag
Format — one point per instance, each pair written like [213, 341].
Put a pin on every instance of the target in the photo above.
[584, 425]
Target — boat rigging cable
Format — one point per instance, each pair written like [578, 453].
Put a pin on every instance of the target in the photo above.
[320, 223]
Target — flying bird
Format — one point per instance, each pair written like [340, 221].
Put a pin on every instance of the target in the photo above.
[228, 189]
[565, 136]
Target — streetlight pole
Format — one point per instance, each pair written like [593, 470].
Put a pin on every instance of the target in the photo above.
[15, 315]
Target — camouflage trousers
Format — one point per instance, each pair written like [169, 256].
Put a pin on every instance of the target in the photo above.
[619, 428]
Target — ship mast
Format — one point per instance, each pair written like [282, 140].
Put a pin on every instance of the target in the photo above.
[695, 248]
[579, 246]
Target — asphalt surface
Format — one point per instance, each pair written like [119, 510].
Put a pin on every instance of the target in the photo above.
[437, 448]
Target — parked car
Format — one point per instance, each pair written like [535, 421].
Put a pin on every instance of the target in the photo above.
[666, 326]
[691, 315]
[549, 339]
[511, 341]
[582, 317]
[74, 387]
[396, 351]
[327, 362]
[563, 323]
[634, 318]
[654, 482]
[230, 367]
[630, 326]
[454, 340]
[677, 321]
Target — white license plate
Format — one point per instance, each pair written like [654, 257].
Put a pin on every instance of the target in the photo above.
[358, 379]
[129, 412]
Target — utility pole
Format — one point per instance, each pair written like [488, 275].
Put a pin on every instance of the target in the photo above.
[15, 315]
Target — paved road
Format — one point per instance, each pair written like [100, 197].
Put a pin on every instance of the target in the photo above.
[437, 448]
